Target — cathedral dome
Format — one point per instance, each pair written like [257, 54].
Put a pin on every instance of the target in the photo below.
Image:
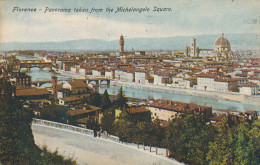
[222, 44]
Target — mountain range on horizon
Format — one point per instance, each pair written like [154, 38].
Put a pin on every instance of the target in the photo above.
[246, 40]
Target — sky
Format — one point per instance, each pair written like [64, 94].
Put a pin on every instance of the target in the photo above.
[185, 18]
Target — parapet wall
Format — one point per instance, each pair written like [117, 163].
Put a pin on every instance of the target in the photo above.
[72, 128]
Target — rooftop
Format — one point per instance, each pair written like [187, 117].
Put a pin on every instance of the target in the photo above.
[32, 92]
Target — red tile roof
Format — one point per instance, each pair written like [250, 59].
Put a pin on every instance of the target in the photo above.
[230, 79]
[179, 106]
[71, 98]
[89, 109]
[206, 75]
[138, 109]
[32, 92]
[249, 85]
[77, 84]
[250, 111]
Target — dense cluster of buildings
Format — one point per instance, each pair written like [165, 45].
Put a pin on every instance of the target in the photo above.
[200, 69]
[221, 73]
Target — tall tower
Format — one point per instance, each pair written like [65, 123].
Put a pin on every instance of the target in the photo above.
[121, 42]
[54, 87]
[193, 47]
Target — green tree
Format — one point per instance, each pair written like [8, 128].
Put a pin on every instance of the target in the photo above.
[188, 138]
[149, 133]
[121, 99]
[16, 140]
[51, 113]
[54, 158]
[17, 144]
[95, 99]
[105, 102]
[107, 120]
[124, 127]
[221, 150]
[247, 144]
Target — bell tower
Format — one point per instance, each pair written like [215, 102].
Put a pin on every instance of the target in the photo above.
[54, 87]
[193, 47]
[121, 42]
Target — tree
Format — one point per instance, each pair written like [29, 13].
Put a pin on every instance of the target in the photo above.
[51, 113]
[121, 99]
[221, 150]
[149, 133]
[188, 139]
[124, 127]
[108, 120]
[105, 102]
[16, 141]
[247, 146]
[17, 144]
[95, 99]
[235, 144]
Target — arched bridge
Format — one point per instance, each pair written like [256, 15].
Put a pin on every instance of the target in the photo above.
[35, 63]
[98, 80]
[39, 83]
[26, 61]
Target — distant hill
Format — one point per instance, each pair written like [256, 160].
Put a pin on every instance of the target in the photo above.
[250, 40]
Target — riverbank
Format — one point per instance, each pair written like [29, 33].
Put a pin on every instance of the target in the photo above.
[227, 96]
[236, 98]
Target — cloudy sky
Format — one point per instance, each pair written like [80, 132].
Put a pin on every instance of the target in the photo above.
[186, 18]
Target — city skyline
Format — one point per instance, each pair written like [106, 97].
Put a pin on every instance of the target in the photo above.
[185, 18]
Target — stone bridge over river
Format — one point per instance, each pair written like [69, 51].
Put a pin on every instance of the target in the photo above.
[87, 149]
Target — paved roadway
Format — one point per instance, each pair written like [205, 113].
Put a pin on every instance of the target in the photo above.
[94, 151]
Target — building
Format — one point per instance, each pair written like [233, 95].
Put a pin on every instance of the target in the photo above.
[138, 113]
[126, 53]
[249, 89]
[168, 109]
[140, 77]
[21, 79]
[252, 114]
[76, 86]
[211, 82]
[121, 43]
[222, 44]
[84, 114]
[71, 100]
[221, 47]
[193, 47]
[54, 87]
[32, 93]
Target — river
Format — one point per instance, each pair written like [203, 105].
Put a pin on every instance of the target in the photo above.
[137, 92]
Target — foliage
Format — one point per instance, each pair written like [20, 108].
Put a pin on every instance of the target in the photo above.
[53, 158]
[188, 138]
[124, 127]
[108, 120]
[147, 132]
[13, 62]
[95, 99]
[51, 113]
[16, 140]
[17, 144]
[235, 144]
[121, 99]
[105, 101]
